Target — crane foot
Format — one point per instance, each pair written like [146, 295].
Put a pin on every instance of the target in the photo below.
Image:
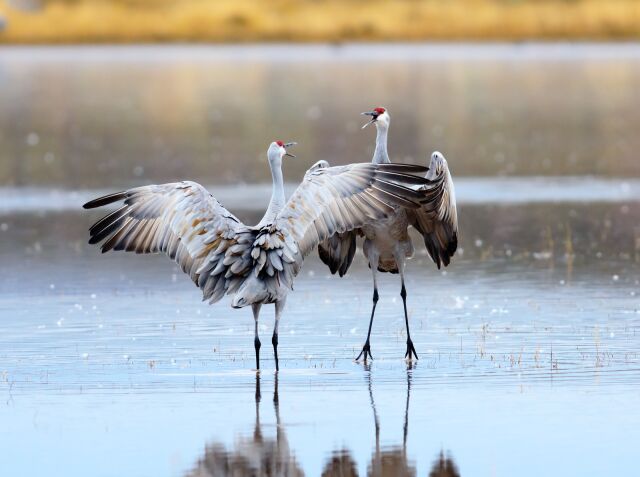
[366, 351]
[411, 351]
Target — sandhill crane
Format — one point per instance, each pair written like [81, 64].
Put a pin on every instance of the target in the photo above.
[256, 264]
[387, 244]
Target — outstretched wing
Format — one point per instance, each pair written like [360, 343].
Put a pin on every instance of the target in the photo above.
[437, 219]
[184, 221]
[339, 199]
[329, 200]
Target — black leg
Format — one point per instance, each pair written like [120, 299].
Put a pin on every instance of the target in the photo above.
[274, 342]
[258, 393]
[256, 341]
[257, 344]
[366, 349]
[411, 351]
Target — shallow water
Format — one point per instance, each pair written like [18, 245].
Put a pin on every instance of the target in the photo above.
[529, 343]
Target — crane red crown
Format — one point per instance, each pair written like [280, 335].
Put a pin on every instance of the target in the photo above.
[280, 143]
[380, 110]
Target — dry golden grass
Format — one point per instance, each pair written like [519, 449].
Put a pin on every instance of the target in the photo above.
[62, 21]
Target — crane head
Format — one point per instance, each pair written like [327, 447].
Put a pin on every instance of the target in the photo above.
[279, 148]
[379, 116]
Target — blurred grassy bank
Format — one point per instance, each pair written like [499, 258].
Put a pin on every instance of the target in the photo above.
[114, 21]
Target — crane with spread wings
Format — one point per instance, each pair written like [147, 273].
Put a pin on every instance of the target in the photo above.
[256, 265]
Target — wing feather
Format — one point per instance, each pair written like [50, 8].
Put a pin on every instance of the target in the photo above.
[437, 218]
[340, 199]
[182, 220]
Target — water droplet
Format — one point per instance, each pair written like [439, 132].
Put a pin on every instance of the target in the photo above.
[314, 113]
[33, 139]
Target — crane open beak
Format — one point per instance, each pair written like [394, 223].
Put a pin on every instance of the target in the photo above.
[289, 144]
[374, 117]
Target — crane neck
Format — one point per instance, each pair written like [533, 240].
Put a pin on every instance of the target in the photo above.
[276, 204]
[380, 155]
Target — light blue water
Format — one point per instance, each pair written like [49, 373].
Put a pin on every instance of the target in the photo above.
[113, 366]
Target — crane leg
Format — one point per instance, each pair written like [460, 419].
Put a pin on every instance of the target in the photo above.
[274, 338]
[366, 349]
[256, 341]
[411, 351]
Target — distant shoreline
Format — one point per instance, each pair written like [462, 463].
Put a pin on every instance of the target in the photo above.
[330, 21]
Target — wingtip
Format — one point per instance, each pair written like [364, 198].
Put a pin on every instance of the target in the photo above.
[104, 200]
[92, 204]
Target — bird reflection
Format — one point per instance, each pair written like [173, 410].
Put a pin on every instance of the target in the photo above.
[256, 455]
[341, 464]
[252, 456]
[444, 467]
[392, 461]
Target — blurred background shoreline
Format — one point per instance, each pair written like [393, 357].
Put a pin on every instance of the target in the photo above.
[324, 21]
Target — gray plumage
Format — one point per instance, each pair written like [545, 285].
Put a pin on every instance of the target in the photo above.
[255, 264]
[387, 243]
